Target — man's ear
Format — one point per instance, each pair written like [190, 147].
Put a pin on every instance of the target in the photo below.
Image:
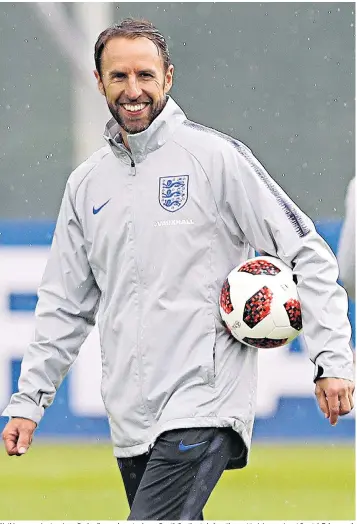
[99, 82]
[169, 78]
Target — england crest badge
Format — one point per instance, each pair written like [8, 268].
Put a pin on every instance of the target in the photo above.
[173, 192]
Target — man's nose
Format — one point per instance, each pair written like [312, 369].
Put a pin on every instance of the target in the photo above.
[133, 89]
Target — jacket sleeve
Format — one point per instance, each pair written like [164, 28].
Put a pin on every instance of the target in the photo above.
[273, 224]
[347, 244]
[67, 303]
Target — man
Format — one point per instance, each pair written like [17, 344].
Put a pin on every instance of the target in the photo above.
[347, 246]
[148, 229]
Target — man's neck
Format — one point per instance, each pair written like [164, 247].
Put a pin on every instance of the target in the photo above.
[124, 136]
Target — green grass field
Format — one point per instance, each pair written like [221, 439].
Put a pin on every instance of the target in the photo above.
[81, 482]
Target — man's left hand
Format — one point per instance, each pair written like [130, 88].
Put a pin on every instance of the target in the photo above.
[335, 397]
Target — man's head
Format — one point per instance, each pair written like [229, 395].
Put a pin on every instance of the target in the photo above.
[133, 72]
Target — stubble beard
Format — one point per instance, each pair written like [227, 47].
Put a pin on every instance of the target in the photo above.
[135, 127]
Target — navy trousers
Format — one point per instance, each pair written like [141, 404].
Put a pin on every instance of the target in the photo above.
[175, 480]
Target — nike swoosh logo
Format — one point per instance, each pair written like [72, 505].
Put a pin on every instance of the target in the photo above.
[184, 447]
[96, 210]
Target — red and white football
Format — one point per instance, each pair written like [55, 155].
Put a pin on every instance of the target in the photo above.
[259, 303]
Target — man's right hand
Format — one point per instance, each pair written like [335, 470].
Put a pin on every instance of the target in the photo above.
[17, 435]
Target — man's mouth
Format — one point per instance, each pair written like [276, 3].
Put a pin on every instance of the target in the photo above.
[134, 108]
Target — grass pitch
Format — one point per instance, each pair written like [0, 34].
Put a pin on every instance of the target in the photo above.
[82, 482]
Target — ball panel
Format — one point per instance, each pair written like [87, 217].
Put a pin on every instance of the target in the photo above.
[257, 307]
[240, 330]
[293, 309]
[259, 267]
[265, 342]
[225, 298]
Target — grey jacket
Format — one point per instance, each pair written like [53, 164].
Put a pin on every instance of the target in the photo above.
[145, 239]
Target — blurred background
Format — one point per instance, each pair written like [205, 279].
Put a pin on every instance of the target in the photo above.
[280, 77]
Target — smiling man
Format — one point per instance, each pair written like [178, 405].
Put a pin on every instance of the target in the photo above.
[134, 74]
[149, 227]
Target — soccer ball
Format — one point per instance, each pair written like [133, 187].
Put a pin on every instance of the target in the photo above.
[259, 303]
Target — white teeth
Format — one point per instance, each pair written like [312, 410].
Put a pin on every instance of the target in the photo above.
[136, 107]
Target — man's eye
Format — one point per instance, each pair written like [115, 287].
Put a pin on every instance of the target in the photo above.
[118, 76]
[146, 75]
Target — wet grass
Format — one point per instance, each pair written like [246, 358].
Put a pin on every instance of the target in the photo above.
[82, 482]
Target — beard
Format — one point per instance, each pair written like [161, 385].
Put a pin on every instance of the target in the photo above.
[136, 126]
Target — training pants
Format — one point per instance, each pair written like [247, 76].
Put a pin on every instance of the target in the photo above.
[175, 480]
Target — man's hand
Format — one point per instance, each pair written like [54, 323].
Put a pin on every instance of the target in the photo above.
[17, 435]
[335, 397]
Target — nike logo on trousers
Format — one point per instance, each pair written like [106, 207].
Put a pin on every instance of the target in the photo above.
[186, 447]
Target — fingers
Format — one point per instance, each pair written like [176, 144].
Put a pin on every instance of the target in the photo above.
[335, 397]
[24, 441]
[350, 397]
[334, 407]
[10, 441]
[322, 401]
[17, 436]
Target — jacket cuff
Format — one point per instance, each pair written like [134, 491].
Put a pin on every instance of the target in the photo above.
[323, 370]
[29, 411]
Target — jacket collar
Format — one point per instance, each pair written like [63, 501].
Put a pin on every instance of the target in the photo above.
[155, 136]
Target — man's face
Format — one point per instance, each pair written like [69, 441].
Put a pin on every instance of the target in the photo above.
[133, 82]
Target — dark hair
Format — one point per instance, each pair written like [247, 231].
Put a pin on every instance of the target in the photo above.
[131, 28]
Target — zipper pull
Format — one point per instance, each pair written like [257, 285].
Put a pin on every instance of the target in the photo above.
[132, 168]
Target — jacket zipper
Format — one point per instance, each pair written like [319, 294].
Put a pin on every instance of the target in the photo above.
[132, 167]
[138, 340]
